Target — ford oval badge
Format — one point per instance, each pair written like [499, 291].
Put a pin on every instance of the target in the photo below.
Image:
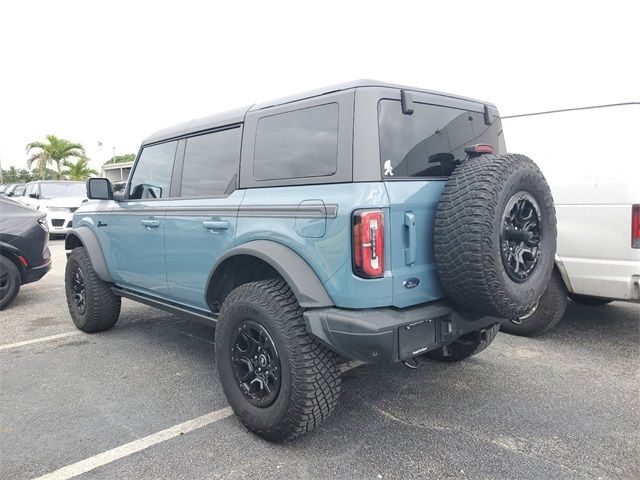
[411, 283]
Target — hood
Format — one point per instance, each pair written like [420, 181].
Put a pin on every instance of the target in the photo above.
[68, 202]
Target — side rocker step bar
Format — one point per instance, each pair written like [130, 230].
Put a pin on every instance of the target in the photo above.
[198, 316]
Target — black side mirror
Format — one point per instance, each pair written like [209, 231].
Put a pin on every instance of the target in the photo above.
[33, 195]
[99, 189]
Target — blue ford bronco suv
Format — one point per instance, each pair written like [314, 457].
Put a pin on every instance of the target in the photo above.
[363, 221]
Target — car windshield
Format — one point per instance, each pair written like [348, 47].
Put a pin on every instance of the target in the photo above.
[62, 189]
[430, 141]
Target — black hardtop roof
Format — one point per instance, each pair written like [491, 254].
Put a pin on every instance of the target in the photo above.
[237, 115]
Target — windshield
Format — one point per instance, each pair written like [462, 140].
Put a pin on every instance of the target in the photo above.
[62, 189]
[431, 141]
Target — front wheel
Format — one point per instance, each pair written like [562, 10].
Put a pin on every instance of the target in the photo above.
[92, 305]
[279, 381]
[466, 346]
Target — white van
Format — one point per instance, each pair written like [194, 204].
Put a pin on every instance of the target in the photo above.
[592, 165]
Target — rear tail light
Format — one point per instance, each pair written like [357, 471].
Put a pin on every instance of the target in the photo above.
[635, 226]
[368, 243]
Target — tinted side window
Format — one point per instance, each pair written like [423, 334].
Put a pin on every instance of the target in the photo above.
[301, 143]
[152, 177]
[211, 163]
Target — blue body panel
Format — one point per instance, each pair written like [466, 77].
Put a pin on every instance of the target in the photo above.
[173, 261]
[191, 250]
[330, 255]
[413, 201]
[137, 250]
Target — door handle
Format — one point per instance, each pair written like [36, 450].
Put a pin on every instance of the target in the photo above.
[215, 225]
[149, 223]
[410, 251]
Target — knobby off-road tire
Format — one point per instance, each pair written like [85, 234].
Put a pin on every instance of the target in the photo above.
[474, 206]
[309, 382]
[9, 282]
[92, 305]
[591, 301]
[466, 346]
[547, 314]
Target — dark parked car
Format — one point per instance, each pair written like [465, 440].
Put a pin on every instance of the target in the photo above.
[24, 248]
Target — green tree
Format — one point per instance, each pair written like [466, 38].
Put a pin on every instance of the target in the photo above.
[11, 176]
[127, 157]
[54, 151]
[79, 170]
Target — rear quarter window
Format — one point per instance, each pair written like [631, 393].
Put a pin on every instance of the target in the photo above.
[297, 144]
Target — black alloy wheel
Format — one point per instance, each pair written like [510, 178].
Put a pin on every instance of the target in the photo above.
[78, 290]
[256, 364]
[521, 236]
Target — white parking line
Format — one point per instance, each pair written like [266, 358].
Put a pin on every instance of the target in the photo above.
[109, 456]
[37, 340]
[130, 448]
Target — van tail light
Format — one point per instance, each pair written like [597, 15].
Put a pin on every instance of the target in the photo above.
[368, 243]
[635, 226]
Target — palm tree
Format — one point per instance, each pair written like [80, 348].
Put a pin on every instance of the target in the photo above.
[79, 170]
[12, 175]
[55, 150]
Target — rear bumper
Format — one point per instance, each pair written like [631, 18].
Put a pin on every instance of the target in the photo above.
[613, 279]
[36, 273]
[387, 335]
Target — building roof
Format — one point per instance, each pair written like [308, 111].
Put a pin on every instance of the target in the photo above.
[116, 166]
[237, 116]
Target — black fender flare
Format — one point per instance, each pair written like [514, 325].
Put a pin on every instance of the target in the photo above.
[85, 237]
[302, 279]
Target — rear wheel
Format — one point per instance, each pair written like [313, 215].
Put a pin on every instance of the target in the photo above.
[545, 315]
[587, 300]
[92, 305]
[466, 346]
[279, 381]
[9, 282]
[495, 235]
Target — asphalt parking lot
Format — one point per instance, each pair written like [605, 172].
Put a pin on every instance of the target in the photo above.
[566, 405]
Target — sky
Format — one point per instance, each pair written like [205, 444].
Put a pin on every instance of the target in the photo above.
[115, 71]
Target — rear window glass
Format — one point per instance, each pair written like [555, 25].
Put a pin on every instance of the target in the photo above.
[297, 144]
[211, 163]
[430, 141]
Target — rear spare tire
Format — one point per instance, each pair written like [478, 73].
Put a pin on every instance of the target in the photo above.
[495, 235]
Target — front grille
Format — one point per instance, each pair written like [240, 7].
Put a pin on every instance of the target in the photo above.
[57, 222]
